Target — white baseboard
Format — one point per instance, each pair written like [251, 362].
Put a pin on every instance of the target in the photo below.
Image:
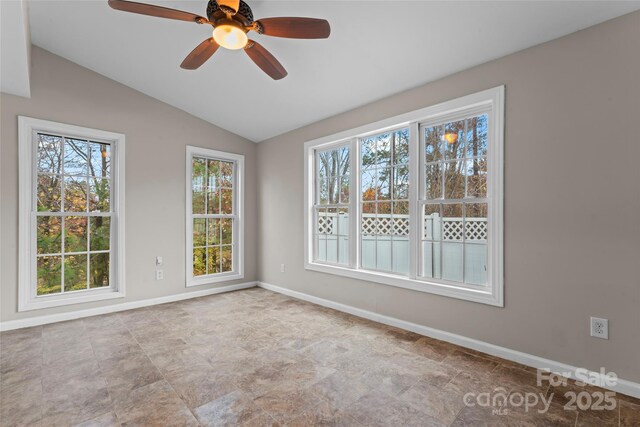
[622, 386]
[52, 318]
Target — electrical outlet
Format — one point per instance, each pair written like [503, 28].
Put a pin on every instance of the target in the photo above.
[281, 268]
[600, 328]
[159, 275]
[159, 260]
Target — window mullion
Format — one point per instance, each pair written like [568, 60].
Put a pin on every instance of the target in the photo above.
[415, 226]
[354, 204]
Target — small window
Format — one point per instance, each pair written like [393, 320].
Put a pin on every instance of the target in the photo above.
[214, 216]
[72, 211]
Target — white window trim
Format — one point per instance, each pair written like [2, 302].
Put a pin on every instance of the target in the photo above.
[238, 232]
[27, 300]
[493, 294]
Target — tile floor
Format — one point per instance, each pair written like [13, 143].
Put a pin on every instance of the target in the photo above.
[256, 358]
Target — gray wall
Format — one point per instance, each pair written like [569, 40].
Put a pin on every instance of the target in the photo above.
[572, 203]
[155, 172]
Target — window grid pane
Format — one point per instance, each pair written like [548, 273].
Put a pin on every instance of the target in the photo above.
[455, 232]
[384, 205]
[213, 215]
[70, 189]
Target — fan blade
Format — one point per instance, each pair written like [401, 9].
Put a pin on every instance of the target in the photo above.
[151, 10]
[295, 28]
[265, 60]
[229, 4]
[200, 54]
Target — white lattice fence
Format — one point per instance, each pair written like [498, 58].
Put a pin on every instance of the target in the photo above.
[398, 225]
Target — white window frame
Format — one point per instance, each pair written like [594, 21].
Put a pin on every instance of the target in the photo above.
[28, 127]
[238, 206]
[491, 101]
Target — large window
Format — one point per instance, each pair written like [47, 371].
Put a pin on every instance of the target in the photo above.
[413, 201]
[71, 214]
[214, 216]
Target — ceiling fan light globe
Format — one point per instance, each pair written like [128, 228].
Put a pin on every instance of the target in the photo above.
[230, 37]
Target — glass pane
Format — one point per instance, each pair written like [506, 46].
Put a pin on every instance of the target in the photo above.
[477, 177]
[452, 259]
[49, 154]
[75, 194]
[368, 251]
[344, 167]
[100, 233]
[475, 264]
[476, 215]
[213, 238]
[323, 189]
[226, 201]
[75, 239]
[342, 222]
[368, 184]
[431, 260]
[383, 150]
[383, 253]
[433, 184]
[454, 180]
[200, 231]
[333, 188]
[227, 258]
[332, 242]
[75, 272]
[199, 262]
[368, 221]
[321, 248]
[75, 157]
[433, 144]
[226, 174]
[400, 248]
[226, 227]
[384, 183]
[213, 260]
[49, 274]
[49, 235]
[401, 147]
[99, 159]
[213, 174]
[199, 171]
[213, 202]
[401, 182]
[401, 219]
[344, 189]
[452, 222]
[453, 140]
[368, 153]
[49, 193]
[477, 136]
[432, 222]
[99, 195]
[99, 267]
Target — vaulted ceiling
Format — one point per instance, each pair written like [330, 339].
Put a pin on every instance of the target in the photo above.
[376, 48]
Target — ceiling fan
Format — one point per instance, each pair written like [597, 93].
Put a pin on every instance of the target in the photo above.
[231, 20]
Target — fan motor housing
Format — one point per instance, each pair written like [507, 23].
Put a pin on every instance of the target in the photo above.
[244, 14]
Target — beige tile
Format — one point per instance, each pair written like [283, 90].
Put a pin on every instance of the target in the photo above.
[381, 409]
[105, 420]
[324, 415]
[154, 404]
[437, 402]
[199, 385]
[232, 409]
[284, 405]
[470, 362]
[21, 404]
[340, 390]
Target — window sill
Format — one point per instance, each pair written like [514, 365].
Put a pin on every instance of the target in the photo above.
[58, 301]
[487, 295]
[209, 280]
